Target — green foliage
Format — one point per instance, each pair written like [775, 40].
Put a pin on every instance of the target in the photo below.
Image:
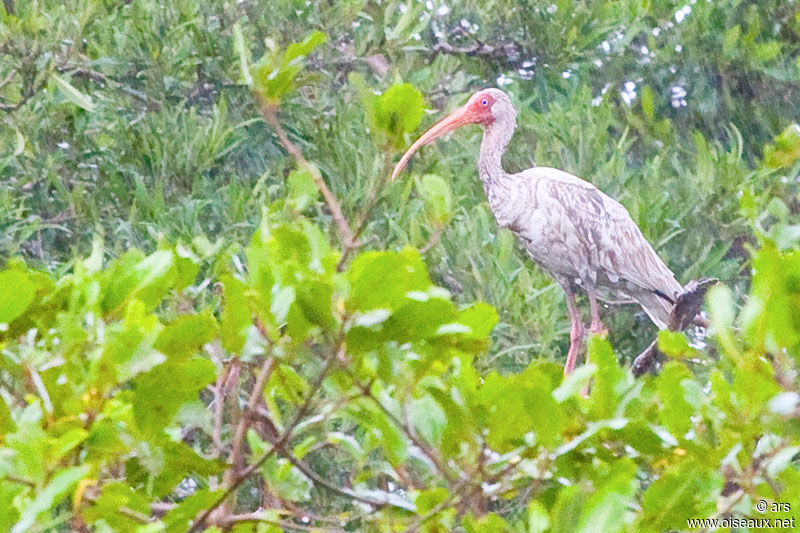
[394, 113]
[187, 340]
[275, 75]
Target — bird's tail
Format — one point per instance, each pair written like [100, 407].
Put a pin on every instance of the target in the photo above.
[656, 305]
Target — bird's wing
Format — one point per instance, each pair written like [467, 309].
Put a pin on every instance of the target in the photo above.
[608, 237]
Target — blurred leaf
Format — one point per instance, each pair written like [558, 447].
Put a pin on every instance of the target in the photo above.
[785, 151]
[185, 335]
[159, 393]
[276, 78]
[236, 318]
[538, 519]
[382, 279]
[16, 294]
[688, 489]
[302, 190]
[243, 54]
[396, 112]
[74, 95]
[436, 194]
[58, 487]
[178, 518]
[7, 424]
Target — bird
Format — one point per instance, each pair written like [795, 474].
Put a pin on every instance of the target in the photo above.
[579, 235]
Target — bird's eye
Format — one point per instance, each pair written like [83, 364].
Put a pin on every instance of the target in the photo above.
[484, 102]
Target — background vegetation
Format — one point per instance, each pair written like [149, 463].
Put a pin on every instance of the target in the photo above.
[193, 335]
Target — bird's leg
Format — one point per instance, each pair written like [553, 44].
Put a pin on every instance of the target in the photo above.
[575, 332]
[596, 326]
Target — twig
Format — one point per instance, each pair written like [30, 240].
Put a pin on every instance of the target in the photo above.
[258, 516]
[433, 240]
[437, 462]
[219, 406]
[20, 481]
[270, 113]
[686, 307]
[9, 77]
[246, 419]
[316, 478]
[27, 95]
[509, 51]
[284, 438]
[372, 201]
[99, 78]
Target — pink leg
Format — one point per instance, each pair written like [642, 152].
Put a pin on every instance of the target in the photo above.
[575, 332]
[596, 326]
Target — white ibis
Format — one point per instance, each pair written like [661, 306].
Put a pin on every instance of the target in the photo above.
[570, 228]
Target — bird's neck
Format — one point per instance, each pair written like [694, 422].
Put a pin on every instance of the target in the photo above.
[496, 137]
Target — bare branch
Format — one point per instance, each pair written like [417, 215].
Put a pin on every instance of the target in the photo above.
[684, 312]
[247, 419]
[259, 516]
[316, 478]
[270, 113]
[284, 438]
[433, 240]
[412, 436]
[508, 52]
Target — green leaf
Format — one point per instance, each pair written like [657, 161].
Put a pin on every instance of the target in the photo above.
[396, 112]
[518, 405]
[16, 295]
[134, 276]
[610, 381]
[159, 393]
[106, 506]
[185, 335]
[243, 54]
[315, 299]
[648, 108]
[438, 198]
[428, 418]
[688, 490]
[7, 424]
[538, 519]
[488, 523]
[675, 411]
[73, 94]
[274, 79]
[303, 190]
[674, 344]
[58, 487]
[604, 509]
[236, 318]
[381, 280]
[304, 47]
[178, 519]
[785, 151]
[731, 39]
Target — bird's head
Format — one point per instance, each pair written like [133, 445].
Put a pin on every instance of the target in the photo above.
[485, 107]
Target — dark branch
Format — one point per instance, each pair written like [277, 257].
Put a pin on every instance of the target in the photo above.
[684, 312]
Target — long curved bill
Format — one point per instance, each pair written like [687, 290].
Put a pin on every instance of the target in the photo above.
[449, 123]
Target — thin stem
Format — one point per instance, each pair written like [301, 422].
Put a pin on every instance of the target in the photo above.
[284, 438]
[270, 113]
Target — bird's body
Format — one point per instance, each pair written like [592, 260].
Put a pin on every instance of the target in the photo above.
[580, 235]
[572, 230]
